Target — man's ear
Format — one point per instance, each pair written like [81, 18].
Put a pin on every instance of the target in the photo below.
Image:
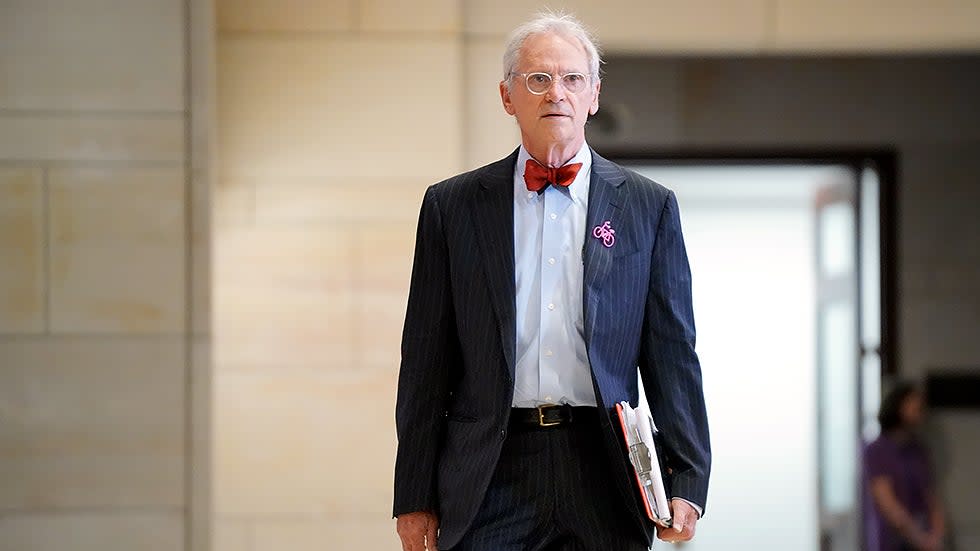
[505, 98]
[594, 108]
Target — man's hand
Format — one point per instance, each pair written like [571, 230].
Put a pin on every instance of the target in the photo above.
[418, 531]
[685, 520]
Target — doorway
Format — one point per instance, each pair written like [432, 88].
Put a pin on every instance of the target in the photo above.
[786, 270]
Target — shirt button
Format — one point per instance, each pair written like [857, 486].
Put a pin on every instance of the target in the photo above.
[554, 216]
[547, 399]
[548, 352]
[552, 261]
[551, 306]
[530, 195]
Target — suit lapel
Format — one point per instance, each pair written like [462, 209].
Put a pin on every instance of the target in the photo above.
[493, 215]
[606, 202]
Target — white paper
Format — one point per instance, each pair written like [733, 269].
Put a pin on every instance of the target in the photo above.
[639, 431]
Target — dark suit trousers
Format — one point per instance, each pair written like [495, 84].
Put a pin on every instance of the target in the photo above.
[552, 491]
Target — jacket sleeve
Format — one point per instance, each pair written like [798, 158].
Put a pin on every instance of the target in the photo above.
[669, 366]
[429, 348]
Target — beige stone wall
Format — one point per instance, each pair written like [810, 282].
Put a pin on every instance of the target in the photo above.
[333, 118]
[753, 26]
[103, 276]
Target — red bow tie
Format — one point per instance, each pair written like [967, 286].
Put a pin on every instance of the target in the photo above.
[537, 177]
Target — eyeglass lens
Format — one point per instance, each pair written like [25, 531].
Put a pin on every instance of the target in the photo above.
[539, 83]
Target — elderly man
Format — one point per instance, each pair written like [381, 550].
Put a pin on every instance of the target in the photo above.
[543, 283]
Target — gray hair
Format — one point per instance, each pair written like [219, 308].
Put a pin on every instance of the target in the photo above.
[551, 23]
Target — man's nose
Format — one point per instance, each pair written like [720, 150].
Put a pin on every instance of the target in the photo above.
[556, 92]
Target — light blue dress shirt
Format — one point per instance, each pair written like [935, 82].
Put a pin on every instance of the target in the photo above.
[552, 364]
[549, 237]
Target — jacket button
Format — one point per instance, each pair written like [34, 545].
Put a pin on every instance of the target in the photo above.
[503, 434]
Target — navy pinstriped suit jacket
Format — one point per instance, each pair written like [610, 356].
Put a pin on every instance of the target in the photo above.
[457, 372]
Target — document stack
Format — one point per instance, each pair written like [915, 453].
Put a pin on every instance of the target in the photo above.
[638, 431]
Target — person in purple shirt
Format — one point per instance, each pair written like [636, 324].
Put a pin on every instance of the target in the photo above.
[904, 511]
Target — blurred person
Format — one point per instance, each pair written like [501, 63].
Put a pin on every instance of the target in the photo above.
[541, 283]
[905, 513]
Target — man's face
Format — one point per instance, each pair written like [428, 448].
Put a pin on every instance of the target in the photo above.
[558, 116]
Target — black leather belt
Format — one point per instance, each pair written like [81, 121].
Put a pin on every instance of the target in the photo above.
[551, 415]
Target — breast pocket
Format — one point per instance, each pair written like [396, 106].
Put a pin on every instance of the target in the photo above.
[630, 260]
[629, 281]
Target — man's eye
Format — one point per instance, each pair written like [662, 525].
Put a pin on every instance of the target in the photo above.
[574, 79]
[539, 79]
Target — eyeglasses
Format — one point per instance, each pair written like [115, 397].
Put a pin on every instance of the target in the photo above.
[539, 83]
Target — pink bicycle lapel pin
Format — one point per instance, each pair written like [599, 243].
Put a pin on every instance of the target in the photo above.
[605, 233]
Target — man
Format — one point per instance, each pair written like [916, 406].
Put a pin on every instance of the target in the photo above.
[542, 282]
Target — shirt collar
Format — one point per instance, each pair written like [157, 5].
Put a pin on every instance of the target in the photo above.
[579, 189]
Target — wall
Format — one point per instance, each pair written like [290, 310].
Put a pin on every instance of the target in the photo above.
[103, 275]
[925, 109]
[333, 117]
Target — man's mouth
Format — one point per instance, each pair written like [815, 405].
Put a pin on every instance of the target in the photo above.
[554, 115]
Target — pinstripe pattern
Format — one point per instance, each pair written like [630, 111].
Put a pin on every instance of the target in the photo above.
[456, 380]
[549, 492]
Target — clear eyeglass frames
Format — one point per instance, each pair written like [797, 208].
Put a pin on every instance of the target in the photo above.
[539, 83]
